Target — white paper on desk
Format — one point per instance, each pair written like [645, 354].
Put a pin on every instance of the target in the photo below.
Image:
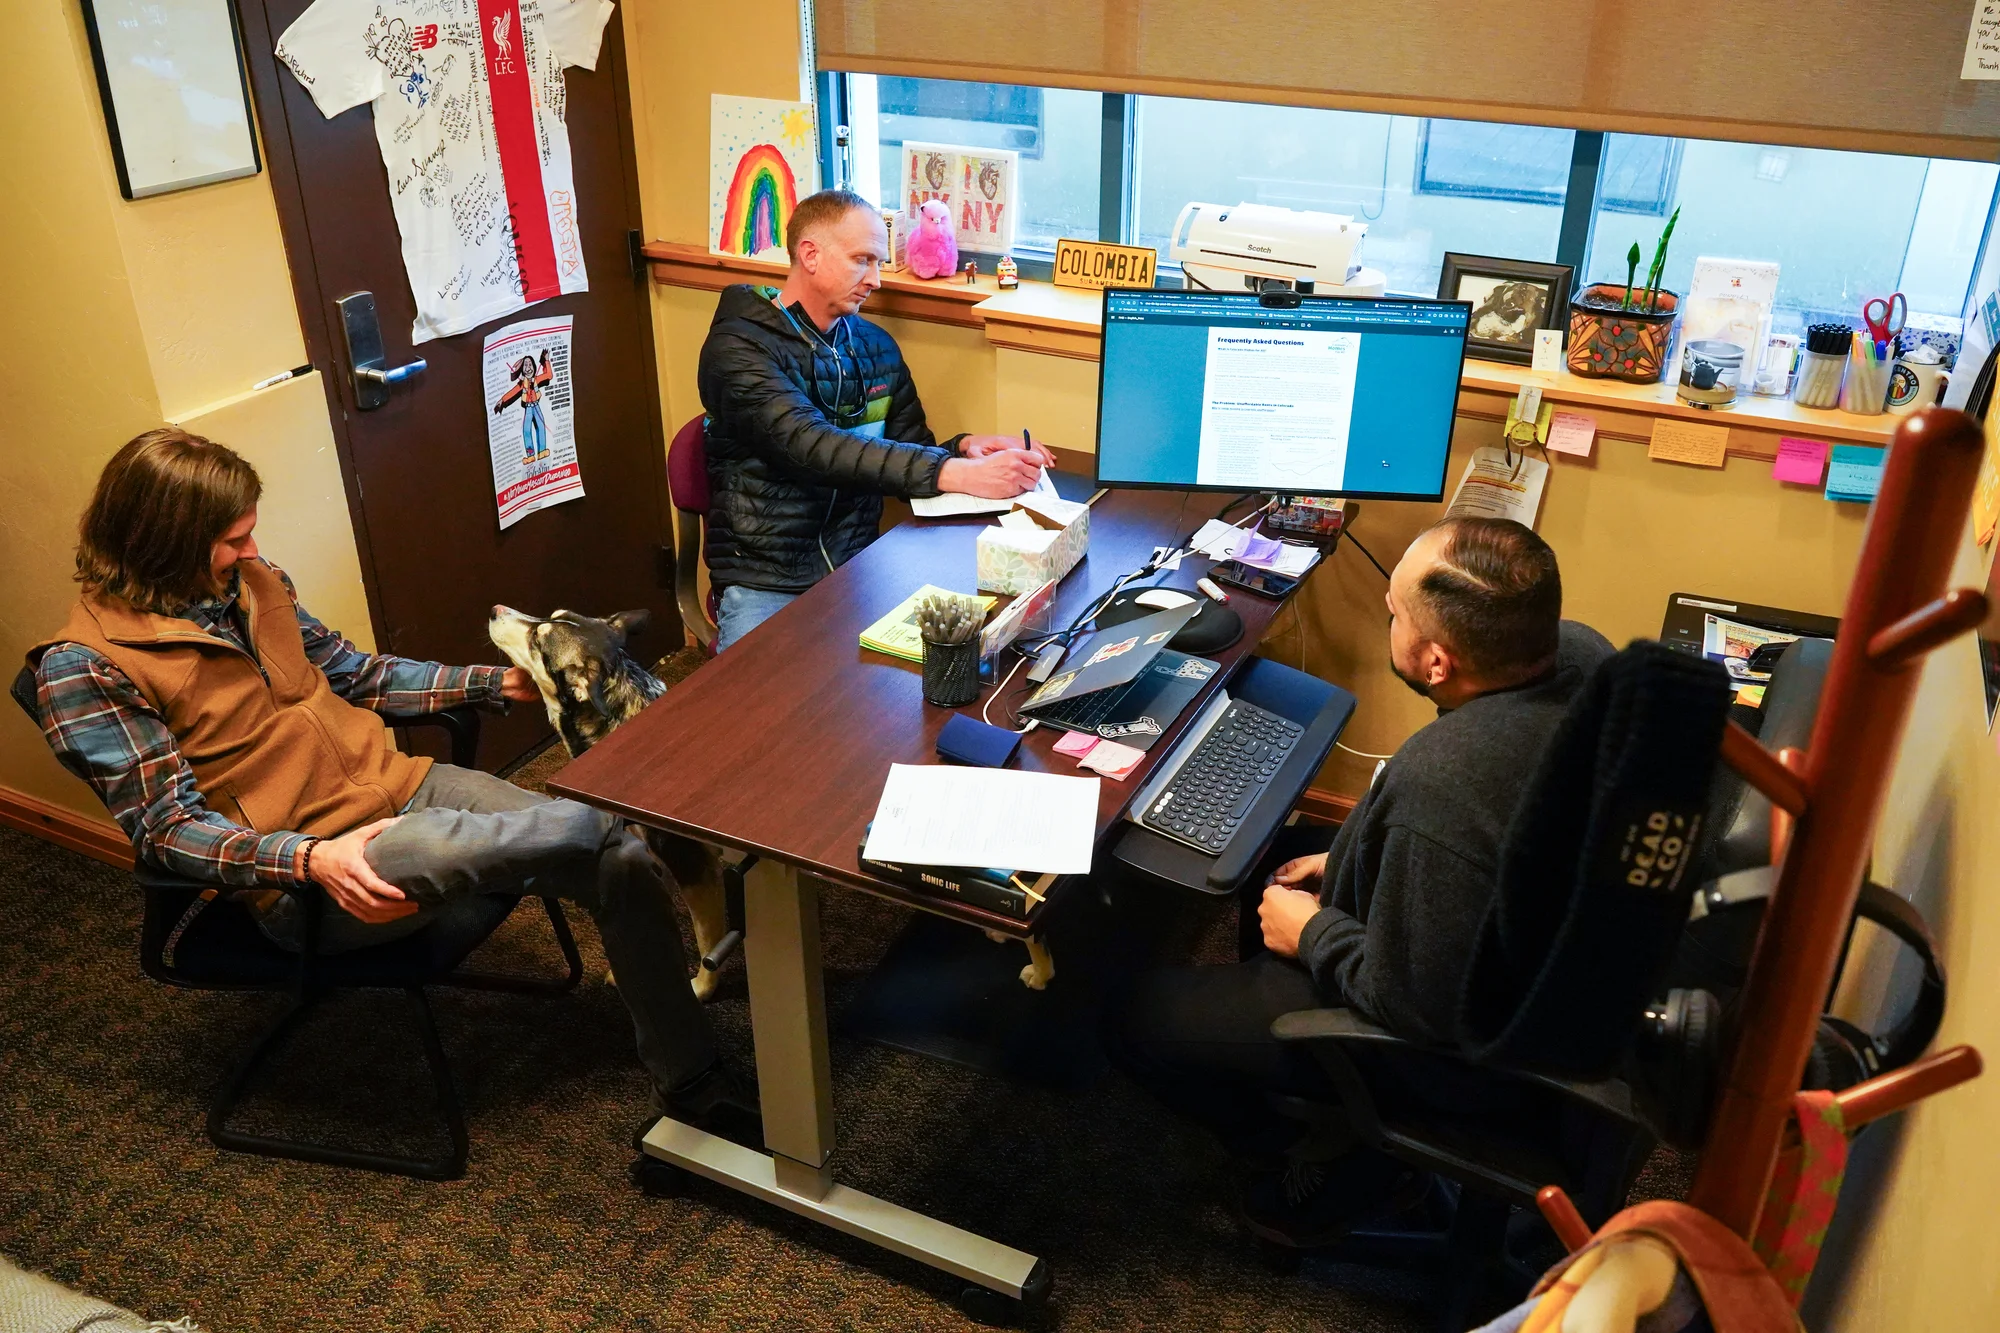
[1494, 488]
[950, 815]
[1221, 541]
[955, 503]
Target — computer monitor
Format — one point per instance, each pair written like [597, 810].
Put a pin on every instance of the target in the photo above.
[1296, 395]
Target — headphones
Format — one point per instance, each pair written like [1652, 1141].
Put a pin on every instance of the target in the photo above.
[842, 416]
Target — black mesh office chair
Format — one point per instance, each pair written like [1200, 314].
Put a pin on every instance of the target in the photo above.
[192, 938]
[1566, 1076]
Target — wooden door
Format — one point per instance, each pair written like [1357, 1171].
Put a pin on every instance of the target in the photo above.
[418, 472]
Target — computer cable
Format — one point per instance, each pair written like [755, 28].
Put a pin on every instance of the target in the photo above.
[1349, 534]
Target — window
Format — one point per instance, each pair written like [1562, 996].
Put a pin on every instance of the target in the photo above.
[1530, 164]
[1056, 131]
[1843, 227]
[1350, 162]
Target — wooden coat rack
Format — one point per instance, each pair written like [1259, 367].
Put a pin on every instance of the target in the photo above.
[1826, 800]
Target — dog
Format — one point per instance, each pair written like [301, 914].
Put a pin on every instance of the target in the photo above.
[591, 685]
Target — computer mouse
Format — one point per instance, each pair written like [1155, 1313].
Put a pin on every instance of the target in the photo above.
[1166, 599]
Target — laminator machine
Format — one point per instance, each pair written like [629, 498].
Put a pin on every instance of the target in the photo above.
[1256, 247]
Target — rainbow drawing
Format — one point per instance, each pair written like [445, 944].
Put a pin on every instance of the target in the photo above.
[762, 195]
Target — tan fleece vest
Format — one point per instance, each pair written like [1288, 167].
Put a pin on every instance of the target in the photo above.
[272, 749]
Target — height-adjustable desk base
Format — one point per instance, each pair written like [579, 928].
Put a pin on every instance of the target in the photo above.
[992, 1265]
[781, 948]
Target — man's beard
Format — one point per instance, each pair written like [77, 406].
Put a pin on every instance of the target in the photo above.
[1420, 687]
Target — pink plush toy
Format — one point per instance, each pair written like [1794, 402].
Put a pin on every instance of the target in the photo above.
[933, 246]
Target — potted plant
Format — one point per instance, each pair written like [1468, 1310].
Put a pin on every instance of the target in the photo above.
[1623, 332]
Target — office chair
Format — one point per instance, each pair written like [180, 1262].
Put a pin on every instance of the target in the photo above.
[687, 479]
[193, 939]
[1565, 1075]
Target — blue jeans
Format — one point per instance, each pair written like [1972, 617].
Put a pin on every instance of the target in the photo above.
[741, 610]
[534, 432]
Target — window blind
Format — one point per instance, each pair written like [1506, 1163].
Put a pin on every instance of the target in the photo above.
[1813, 73]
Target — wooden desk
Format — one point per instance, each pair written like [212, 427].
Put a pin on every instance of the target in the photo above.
[780, 747]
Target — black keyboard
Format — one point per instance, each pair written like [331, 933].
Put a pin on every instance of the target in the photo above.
[1221, 780]
[1084, 712]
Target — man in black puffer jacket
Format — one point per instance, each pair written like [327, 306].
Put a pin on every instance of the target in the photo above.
[813, 418]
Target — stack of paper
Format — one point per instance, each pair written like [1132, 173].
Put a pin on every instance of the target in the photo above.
[1221, 541]
[1855, 473]
[948, 815]
[954, 504]
[897, 634]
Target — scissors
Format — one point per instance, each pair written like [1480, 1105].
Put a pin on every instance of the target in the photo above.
[1885, 318]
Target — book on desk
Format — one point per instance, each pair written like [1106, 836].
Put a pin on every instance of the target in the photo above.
[1007, 892]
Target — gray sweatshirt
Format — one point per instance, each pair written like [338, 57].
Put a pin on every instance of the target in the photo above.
[1411, 872]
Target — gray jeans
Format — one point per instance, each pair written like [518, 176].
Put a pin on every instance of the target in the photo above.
[467, 832]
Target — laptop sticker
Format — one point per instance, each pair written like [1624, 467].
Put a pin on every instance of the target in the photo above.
[1157, 637]
[1111, 650]
[1195, 669]
[1052, 690]
[1138, 726]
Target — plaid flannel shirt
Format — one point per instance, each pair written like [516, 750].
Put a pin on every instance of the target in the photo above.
[103, 730]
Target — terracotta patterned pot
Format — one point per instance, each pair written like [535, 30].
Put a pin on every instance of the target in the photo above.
[1608, 343]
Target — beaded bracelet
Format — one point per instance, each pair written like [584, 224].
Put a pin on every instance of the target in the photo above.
[306, 870]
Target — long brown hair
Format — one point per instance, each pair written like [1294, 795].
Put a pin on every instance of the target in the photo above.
[161, 504]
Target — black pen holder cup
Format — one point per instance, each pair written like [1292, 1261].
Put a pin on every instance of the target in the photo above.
[951, 672]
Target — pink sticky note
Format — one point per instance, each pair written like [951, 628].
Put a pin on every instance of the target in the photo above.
[1076, 743]
[1572, 433]
[1113, 760]
[1803, 461]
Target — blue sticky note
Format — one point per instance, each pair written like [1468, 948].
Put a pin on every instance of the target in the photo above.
[1854, 472]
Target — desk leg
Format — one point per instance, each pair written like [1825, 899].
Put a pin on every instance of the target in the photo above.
[795, 1082]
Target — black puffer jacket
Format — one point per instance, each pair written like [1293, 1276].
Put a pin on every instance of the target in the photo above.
[784, 478]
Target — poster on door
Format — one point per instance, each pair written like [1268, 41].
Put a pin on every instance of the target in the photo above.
[530, 422]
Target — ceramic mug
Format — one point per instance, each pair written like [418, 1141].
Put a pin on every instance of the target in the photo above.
[1915, 384]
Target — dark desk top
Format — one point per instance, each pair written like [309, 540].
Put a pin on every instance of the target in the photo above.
[780, 746]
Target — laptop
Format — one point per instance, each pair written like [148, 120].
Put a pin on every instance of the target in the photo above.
[1127, 685]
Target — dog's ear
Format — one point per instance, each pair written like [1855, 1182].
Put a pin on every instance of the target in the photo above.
[628, 623]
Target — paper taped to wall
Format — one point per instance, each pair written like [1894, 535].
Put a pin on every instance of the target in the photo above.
[530, 427]
[1496, 485]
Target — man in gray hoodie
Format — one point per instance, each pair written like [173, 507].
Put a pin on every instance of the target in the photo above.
[1385, 920]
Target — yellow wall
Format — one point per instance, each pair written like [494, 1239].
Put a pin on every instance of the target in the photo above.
[121, 324]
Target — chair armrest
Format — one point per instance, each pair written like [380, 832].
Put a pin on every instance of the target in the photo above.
[1332, 1024]
[461, 723]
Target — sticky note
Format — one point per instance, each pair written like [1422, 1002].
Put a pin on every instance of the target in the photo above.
[1676, 441]
[1802, 461]
[1548, 351]
[1573, 433]
[1076, 743]
[1113, 760]
[1855, 473]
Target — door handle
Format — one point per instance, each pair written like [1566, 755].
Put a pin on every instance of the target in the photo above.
[364, 352]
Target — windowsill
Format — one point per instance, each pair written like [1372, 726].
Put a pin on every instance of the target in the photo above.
[1058, 321]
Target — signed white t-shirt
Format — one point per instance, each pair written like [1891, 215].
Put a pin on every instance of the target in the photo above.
[468, 100]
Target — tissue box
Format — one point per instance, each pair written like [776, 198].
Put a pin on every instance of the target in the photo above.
[1027, 549]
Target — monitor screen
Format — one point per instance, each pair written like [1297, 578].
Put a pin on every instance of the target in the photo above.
[1333, 395]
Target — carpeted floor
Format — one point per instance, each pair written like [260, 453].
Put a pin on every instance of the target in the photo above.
[108, 1183]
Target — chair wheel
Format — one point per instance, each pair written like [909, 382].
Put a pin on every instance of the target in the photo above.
[1283, 1260]
[657, 1179]
[985, 1306]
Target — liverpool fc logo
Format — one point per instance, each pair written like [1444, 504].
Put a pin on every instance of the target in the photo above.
[503, 46]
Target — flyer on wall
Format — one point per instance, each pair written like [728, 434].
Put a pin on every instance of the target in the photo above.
[530, 428]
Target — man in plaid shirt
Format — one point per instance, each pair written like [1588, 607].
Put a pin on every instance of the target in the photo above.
[232, 737]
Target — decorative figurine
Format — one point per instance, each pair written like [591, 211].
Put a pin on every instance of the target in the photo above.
[971, 271]
[1008, 272]
[932, 250]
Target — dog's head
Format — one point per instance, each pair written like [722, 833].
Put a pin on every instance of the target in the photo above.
[589, 683]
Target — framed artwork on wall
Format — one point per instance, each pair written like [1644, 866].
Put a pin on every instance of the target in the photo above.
[1511, 299]
[176, 98]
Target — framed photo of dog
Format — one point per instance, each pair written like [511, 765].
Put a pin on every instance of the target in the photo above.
[1511, 299]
